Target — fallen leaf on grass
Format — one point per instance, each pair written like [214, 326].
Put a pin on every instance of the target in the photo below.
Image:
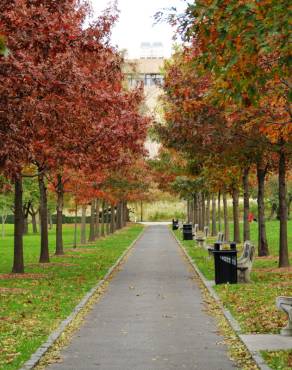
[51, 264]
[22, 276]
[13, 290]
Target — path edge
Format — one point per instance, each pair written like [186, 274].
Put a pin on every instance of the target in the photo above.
[55, 335]
[256, 356]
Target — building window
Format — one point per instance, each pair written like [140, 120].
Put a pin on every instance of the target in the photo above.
[153, 79]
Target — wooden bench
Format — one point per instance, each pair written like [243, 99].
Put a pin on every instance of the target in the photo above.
[244, 263]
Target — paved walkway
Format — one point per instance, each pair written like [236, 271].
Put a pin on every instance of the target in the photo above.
[151, 318]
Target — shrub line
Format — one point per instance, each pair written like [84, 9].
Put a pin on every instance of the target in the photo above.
[53, 337]
[256, 356]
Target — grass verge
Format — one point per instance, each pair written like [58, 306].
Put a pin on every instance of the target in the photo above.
[278, 360]
[253, 305]
[33, 305]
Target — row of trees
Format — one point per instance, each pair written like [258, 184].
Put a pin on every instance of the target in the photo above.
[227, 108]
[66, 118]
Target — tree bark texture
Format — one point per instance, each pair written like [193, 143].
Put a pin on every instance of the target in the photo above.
[18, 263]
[141, 206]
[97, 219]
[263, 249]
[59, 220]
[195, 211]
[214, 225]
[102, 219]
[92, 222]
[283, 214]
[118, 217]
[44, 255]
[107, 219]
[75, 227]
[34, 221]
[208, 210]
[200, 211]
[191, 215]
[219, 211]
[126, 213]
[122, 214]
[246, 227]
[236, 228]
[203, 211]
[50, 220]
[112, 218]
[25, 225]
[225, 215]
[83, 224]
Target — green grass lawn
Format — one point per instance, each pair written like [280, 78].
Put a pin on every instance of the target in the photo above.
[253, 305]
[32, 307]
[278, 360]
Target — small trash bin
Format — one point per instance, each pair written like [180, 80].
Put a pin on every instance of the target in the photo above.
[188, 232]
[225, 266]
[175, 225]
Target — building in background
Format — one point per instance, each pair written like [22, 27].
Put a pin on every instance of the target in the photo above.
[148, 70]
[152, 50]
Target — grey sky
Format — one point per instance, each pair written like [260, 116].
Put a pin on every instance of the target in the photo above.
[136, 24]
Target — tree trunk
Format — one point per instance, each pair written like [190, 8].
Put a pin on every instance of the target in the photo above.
[18, 263]
[200, 221]
[97, 223]
[283, 214]
[75, 227]
[126, 213]
[112, 218]
[219, 211]
[102, 218]
[107, 219]
[246, 227]
[208, 210]
[44, 255]
[92, 222]
[118, 218]
[50, 220]
[83, 224]
[203, 211]
[188, 211]
[263, 249]
[39, 221]
[59, 219]
[195, 211]
[122, 214]
[236, 227]
[34, 223]
[191, 215]
[226, 221]
[25, 225]
[214, 225]
[141, 204]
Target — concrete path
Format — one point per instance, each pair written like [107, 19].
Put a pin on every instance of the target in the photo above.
[151, 318]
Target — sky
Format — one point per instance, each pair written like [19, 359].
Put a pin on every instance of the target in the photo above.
[136, 21]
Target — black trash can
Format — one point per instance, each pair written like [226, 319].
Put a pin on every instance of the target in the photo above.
[188, 232]
[225, 266]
